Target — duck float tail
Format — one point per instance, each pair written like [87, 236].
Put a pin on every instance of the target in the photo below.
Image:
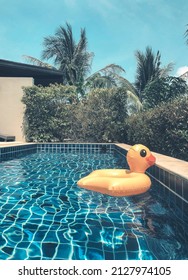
[122, 182]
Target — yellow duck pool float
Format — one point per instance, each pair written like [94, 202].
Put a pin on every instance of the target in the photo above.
[122, 182]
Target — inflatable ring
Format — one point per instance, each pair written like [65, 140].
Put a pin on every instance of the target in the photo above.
[122, 182]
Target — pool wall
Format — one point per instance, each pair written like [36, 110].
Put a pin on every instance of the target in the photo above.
[172, 186]
[12, 152]
[80, 148]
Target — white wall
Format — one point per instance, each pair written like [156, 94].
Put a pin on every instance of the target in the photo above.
[11, 107]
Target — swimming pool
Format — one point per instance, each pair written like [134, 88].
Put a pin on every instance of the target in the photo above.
[45, 215]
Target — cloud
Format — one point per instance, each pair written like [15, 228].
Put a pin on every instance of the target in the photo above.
[181, 70]
[104, 8]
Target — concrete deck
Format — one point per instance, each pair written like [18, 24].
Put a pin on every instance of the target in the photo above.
[7, 144]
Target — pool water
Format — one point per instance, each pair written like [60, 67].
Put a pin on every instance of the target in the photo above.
[45, 215]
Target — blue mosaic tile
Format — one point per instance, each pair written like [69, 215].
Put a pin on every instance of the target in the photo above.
[164, 183]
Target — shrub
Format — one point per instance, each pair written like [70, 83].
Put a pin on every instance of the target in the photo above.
[53, 113]
[163, 129]
[47, 112]
[163, 90]
[101, 116]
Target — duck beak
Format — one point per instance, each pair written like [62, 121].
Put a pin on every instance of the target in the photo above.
[151, 160]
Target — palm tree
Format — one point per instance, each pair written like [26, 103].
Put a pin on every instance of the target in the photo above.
[148, 69]
[70, 57]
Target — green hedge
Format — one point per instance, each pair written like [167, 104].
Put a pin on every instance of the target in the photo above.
[162, 90]
[163, 129]
[48, 111]
[100, 117]
[54, 113]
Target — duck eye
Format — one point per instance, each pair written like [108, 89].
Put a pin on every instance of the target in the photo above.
[143, 153]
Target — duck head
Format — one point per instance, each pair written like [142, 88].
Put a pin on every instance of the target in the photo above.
[139, 158]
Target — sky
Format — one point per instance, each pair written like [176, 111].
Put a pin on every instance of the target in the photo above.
[115, 29]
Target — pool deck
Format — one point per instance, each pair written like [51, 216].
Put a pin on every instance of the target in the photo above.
[176, 166]
[11, 144]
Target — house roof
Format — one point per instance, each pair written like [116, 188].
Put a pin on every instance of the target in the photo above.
[184, 75]
[41, 75]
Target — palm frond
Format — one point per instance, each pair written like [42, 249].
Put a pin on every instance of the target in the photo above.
[36, 61]
[148, 67]
[134, 101]
[186, 34]
[70, 57]
[164, 72]
[99, 81]
[112, 68]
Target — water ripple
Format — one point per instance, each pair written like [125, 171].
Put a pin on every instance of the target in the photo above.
[45, 215]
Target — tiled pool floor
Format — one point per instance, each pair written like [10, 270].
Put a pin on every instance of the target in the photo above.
[45, 215]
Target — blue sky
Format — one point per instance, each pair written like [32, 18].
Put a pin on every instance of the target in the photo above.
[115, 29]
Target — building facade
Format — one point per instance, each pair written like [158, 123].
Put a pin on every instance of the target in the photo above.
[13, 77]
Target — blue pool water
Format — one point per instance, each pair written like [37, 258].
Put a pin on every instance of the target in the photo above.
[45, 215]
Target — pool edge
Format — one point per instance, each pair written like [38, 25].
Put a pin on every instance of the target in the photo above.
[171, 172]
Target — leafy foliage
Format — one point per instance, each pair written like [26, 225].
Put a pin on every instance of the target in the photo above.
[54, 113]
[47, 114]
[111, 77]
[101, 116]
[163, 129]
[107, 77]
[149, 68]
[163, 90]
